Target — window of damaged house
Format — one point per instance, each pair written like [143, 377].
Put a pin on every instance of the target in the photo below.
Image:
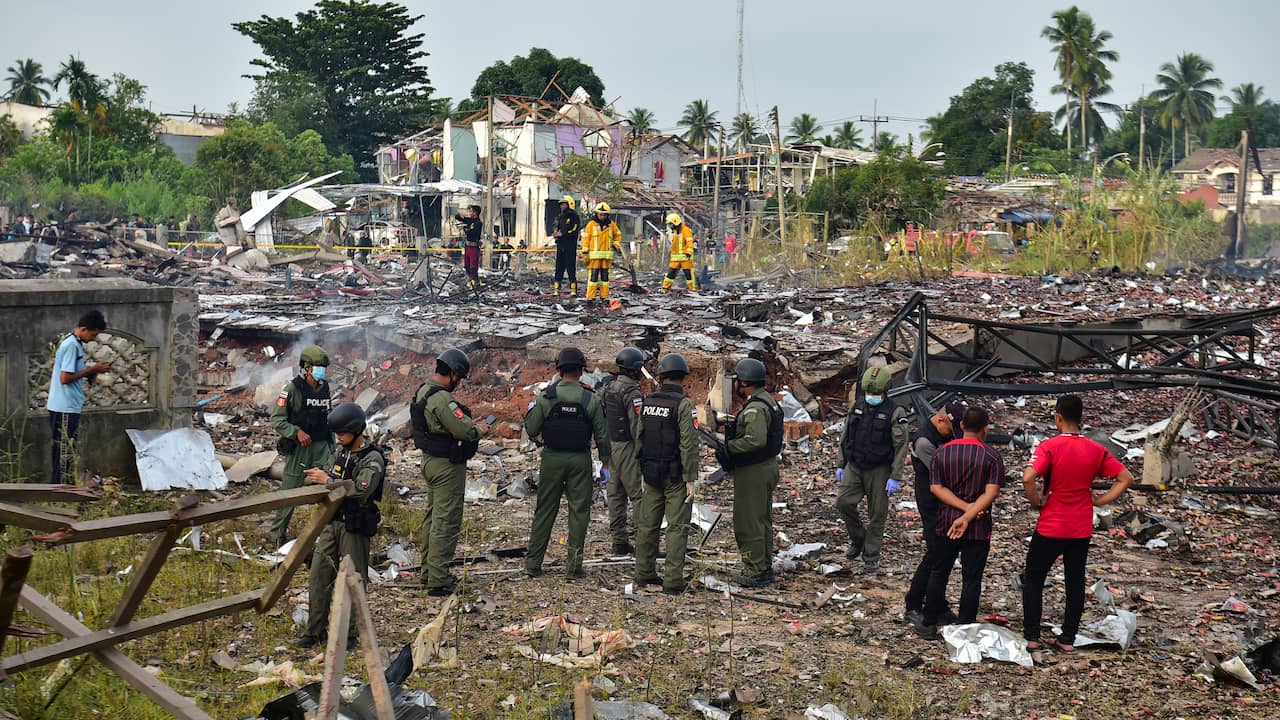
[1266, 184]
[1228, 181]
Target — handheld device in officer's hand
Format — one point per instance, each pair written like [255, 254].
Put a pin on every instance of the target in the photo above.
[491, 419]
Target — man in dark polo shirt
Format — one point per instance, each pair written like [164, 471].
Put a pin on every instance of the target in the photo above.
[965, 476]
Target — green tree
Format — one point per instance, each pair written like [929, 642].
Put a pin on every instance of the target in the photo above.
[887, 143]
[974, 127]
[804, 128]
[589, 177]
[531, 75]
[641, 121]
[699, 121]
[10, 136]
[1081, 58]
[288, 100]
[886, 194]
[1094, 127]
[360, 60]
[249, 157]
[1249, 109]
[745, 130]
[27, 83]
[1187, 101]
[126, 115]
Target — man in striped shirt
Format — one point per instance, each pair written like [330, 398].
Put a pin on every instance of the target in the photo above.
[965, 476]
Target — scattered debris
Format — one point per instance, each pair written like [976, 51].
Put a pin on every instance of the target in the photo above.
[181, 458]
[970, 643]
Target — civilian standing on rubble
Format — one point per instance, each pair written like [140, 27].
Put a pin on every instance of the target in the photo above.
[682, 250]
[753, 442]
[448, 437]
[565, 417]
[568, 228]
[669, 466]
[1069, 463]
[873, 449]
[301, 418]
[66, 393]
[940, 430]
[622, 401]
[357, 459]
[472, 227]
[600, 239]
[966, 475]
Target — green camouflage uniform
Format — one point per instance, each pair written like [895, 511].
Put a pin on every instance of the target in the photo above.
[446, 486]
[367, 470]
[301, 459]
[564, 473]
[671, 501]
[753, 487]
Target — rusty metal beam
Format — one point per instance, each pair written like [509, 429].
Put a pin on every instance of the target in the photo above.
[143, 576]
[13, 575]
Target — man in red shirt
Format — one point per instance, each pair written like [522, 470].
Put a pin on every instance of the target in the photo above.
[965, 476]
[1069, 463]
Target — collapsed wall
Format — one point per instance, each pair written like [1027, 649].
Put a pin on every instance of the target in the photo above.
[151, 342]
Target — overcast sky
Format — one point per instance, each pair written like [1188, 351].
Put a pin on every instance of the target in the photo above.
[836, 59]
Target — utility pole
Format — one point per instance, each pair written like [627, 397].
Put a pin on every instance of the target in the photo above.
[875, 121]
[1142, 128]
[741, 93]
[715, 193]
[1008, 143]
[1242, 189]
[488, 200]
[777, 163]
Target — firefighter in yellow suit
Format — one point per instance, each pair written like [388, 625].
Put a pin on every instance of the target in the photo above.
[600, 238]
[681, 254]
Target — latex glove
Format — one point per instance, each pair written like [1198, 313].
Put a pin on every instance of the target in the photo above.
[840, 475]
[531, 404]
[604, 475]
[892, 486]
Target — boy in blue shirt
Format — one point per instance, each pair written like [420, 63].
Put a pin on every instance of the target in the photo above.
[66, 391]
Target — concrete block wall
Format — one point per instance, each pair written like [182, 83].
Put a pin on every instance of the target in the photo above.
[151, 339]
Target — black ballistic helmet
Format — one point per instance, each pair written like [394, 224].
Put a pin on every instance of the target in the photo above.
[630, 358]
[569, 358]
[455, 360]
[673, 364]
[347, 417]
[750, 370]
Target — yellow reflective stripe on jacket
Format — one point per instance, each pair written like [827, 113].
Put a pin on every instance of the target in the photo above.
[600, 255]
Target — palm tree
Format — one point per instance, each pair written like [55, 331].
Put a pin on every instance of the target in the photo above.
[84, 89]
[641, 120]
[848, 136]
[1187, 100]
[27, 83]
[1094, 126]
[887, 143]
[745, 130]
[1090, 73]
[1247, 98]
[1067, 39]
[804, 128]
[699, 121]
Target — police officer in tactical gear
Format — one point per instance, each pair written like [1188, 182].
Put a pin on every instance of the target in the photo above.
[753, 442]
[448, 437]
[873, 449]
[301, 418]
[364, 464]
[622, 401]
[564, 418]
[669, 467]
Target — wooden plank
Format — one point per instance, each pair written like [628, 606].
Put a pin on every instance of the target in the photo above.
[372, 655]
[131, 672]
[213, 512]
[46, 492]
[30, 518]
[72, 646]
[279, 583]
[335, 651]
[17, 562]
[143, 576]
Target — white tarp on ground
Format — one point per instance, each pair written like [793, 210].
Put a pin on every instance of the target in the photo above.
[181, 458]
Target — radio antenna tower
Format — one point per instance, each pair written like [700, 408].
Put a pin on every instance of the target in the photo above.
[741, 94]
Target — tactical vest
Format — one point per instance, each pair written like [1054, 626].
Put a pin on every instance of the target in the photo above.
[313, 418]
[361, 519]
[568, 426]
[773, 441]
[618, 409]
[869, 441]
[441, 445]
[660, 431]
